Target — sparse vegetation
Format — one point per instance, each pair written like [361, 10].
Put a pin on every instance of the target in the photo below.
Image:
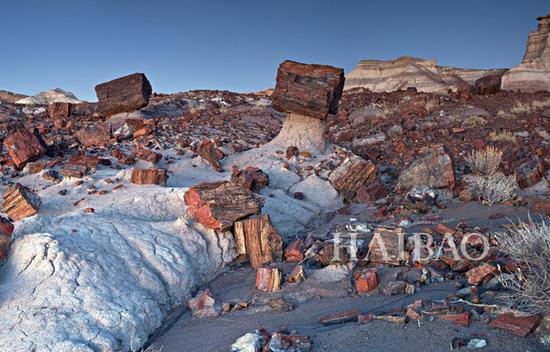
[484, 162]
[494, 188]
[502, 136]
[473, 122]
[529, 242]
[526, 108]
[431, 105]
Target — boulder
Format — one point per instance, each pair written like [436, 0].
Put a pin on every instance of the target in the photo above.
[533, 74]
[308, 89]
[123, 94]
[433, 168]
[521, 324]
[24, 146]
[59, 109]
[98, 135]
[488, 85]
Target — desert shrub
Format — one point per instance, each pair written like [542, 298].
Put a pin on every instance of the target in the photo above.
[503, 136]
[484, 162]
[526, 108]
[473, 122]
[529, 242]
[432, 105]
[494, 188]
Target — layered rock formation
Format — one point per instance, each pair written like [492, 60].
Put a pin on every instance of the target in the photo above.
[10, 97]
[50, 96]
[405, 72]
[533, 74]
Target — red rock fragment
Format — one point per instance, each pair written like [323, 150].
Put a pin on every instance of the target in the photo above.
[251, 178]
[20, 202]
[531, 173]
[98, 135]
[217, 205]
[210, 154]
[480, 273]
[203, 305]
[151, 176]
[24, 146]
[370, 192]
[340, 317]
[294, 252]
[310, 90]
[284, 342]
[6, 230]
[148, 155]
[297, 275]
[521, 324]
[59, 109]
[84, 160]
[351, 174]
[268, 280]
[462, 319]
[366, 281]
[258, 240]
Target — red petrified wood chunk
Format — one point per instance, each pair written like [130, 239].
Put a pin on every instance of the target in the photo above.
[20, 202]
[480, 273]
[59, 109]
[294, 252]
[24, 146]
[258, 240]
[149, 177]
[99, 136]
[462, 319]
[353, 173]
[340, 317]
[520, 324]
[366, 281]
[251, 178]
[84, 160]
[310, 90]
[123, 94]
[6, 230]
[268, 280]
[217, 205]
[210, 154]
[148, 155]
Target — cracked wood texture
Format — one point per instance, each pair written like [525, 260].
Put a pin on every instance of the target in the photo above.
[123, 94]
[308, 89]
[258, 240]
[217, 205]
[20, 202]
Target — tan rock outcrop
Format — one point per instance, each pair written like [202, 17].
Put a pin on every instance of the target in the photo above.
[405, 72]
[533, 74]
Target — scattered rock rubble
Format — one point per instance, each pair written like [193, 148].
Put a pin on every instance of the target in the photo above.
[244, 178]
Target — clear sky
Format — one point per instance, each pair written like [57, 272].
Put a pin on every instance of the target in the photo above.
[237, 45]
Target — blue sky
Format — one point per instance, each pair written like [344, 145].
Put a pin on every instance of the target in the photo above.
[237, 45]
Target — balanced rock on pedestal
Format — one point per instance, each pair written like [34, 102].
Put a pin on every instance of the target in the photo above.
[123, 94]
[308, 93]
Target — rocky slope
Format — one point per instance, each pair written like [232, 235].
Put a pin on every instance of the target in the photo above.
[533, 74]
[50, 96]
[404, 72]
[10, 97]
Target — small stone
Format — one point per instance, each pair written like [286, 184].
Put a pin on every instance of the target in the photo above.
[298, 195]
[366, 281]
[289, 343]
[291, 152]
[151, 176]
[279, 305]
[297, 275]
[203, 305]
[268, 280]
[294, 252]
[480, 273]
[392, 288]
[462, 319]
[340, 317]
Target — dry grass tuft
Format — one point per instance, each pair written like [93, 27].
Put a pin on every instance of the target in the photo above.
[473, 122]
[529, 242]
[503, 136]
[484, 162]
[526, 108]
[494, 188]
[432, 105]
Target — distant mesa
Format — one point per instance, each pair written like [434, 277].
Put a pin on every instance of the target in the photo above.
[533, 74]
[50, 96]
[10, 97]
[405, 72]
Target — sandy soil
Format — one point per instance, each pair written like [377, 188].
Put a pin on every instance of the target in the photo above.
[313, 299]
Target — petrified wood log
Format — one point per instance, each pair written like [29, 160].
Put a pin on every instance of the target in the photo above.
[268, 280]
[217, 205]
[59, 109]
[24, 146]
[99, 135]
[123, 94]
[257, 239]
[310, 90]
[251, 178]
[20, 202]
[151, 176]
[210, 154]
[352, 174]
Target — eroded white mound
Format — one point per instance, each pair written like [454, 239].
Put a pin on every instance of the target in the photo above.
[50, 96]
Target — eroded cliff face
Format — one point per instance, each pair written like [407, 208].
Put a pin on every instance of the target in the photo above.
[533, 74]
[404, 72]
